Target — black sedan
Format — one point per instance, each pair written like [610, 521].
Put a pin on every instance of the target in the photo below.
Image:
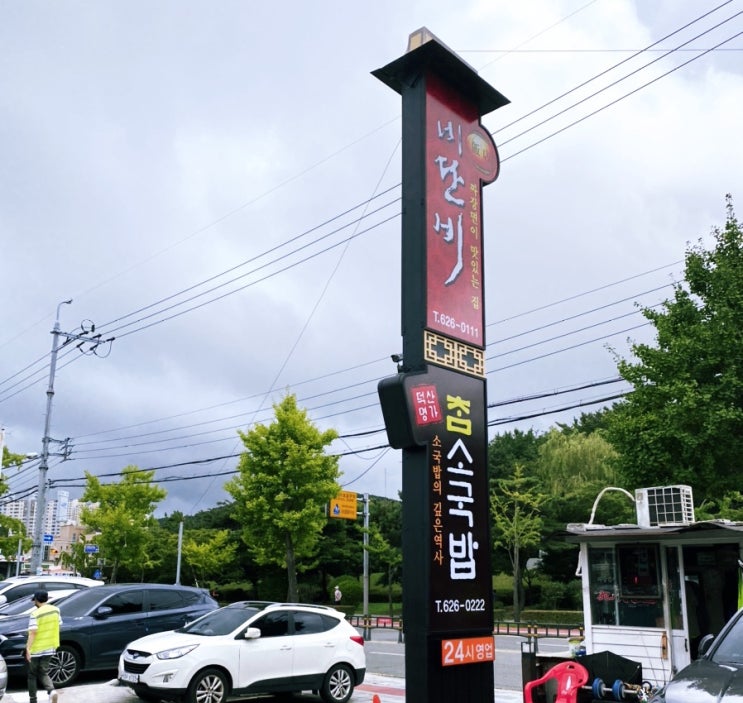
[97, 624]
[716, 676]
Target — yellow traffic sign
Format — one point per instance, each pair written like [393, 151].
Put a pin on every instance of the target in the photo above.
[344, 505]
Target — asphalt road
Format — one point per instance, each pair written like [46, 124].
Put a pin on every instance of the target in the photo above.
[384, 656]
[385, 678]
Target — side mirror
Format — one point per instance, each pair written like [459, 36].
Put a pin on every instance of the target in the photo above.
[252, 633]
[103, 612]
[704, 644]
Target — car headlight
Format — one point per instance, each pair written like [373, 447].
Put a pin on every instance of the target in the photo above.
[177, 652]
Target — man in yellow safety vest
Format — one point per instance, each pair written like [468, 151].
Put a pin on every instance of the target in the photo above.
[43, 641]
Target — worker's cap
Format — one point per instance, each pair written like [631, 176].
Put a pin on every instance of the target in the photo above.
[41, 597]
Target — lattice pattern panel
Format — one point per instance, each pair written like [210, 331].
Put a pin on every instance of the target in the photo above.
[454, 355]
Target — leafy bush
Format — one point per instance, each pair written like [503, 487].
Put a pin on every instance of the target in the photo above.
[573, 595]
[231, 592]
[503, 590]
[379, 592]
[552, 617]
[310, 593]
[541, 617]
[351, 588]
[552, 594]
[272, 586]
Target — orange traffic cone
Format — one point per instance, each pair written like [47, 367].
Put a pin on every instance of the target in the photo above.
[376, 699]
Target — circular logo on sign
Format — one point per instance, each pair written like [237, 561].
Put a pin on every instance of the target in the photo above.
[484, 154]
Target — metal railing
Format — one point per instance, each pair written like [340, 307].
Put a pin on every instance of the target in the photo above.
[534, 629]
[367, 623]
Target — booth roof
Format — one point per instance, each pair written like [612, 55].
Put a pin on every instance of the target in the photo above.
[721, 530]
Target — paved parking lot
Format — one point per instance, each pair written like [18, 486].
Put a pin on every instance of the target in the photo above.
[387, 689]
[375, 689]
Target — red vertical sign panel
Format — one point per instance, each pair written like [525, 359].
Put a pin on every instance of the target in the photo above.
[460, 157]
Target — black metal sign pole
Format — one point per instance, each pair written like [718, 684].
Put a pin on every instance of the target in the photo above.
[435, 408]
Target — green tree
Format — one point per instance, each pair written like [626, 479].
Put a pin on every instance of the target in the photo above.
[568, 461]
[122, 517]
[515, 505]
[11, 531]
[507, 450]
[572, 468]
[284, 484]
[340, 546]
[683, 422]
[77, 560]
[161, 564]
[728, 506]
[208, 552]
[241, 565]
[7, 460]
[11, 459]
[588, 423]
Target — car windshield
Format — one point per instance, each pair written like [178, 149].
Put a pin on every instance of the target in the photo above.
[730, 649]
[220, 622]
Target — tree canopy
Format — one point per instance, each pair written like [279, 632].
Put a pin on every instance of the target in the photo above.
[683, 422]
[121, 516]
[284, 483]
[208, 553]
[515, 507]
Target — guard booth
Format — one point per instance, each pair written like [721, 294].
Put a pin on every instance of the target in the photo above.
[651, 590]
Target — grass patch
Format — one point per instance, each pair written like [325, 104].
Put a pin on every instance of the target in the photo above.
[384, 609]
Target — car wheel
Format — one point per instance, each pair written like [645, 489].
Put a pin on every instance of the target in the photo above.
[208, 686]
[64, 666]
[338, 684]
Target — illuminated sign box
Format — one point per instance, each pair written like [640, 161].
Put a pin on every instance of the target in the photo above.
[467, 650]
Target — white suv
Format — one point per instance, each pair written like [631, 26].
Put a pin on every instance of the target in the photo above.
[245, 648]
[16, 587]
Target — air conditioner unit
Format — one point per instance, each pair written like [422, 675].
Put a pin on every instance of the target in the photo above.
[664, 505]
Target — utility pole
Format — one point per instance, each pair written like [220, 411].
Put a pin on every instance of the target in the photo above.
[37, 551]
[366, 554]
[180, 549]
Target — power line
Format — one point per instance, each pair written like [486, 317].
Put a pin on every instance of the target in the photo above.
[546, 394]
[511, 157]
[349, 210]
[356, 367]
[619, 99]
[167, 435]
[648, 48]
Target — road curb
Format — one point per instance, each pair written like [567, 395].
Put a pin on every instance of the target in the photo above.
[376, 687]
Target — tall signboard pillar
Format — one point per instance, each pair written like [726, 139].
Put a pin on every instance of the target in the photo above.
[435, 408]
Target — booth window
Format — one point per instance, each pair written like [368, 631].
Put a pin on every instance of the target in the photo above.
[625, 586]
[640, 601]
[603, 586]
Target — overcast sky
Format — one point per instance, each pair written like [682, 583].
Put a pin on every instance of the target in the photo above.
[216, 184]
